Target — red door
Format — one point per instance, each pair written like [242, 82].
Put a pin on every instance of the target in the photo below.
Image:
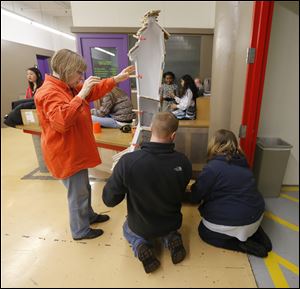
[261, 30]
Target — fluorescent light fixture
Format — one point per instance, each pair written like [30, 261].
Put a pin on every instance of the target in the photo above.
[15, 16]
[105, 51]
[41, 26]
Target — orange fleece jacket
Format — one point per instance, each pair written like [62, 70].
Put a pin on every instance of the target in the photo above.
[67, 139]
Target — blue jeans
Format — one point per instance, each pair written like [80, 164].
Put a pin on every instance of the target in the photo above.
[106, 121]
[79, 200]
[135, 240]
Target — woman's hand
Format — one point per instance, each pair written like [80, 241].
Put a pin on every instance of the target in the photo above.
[88, 85]
[124, 74]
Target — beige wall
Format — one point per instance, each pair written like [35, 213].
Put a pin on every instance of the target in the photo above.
[243, 36]
[206, 50]
[222, 64]
[280, 103]
[185, 14]
[231, 40]
[15, 59]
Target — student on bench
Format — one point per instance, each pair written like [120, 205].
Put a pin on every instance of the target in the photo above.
[115, 110]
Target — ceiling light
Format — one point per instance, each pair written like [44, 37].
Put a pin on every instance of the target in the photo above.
[105, 51]
[28, 21]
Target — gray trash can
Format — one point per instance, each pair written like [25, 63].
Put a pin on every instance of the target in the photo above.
[270, 161]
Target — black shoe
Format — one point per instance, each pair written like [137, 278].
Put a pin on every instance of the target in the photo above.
[253, 248]
[262, 238]
[100, 219]
[147, 257]
[93, 233]
[176, 248]
[125, 128]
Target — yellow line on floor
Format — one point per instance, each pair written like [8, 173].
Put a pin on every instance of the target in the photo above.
[289, 198]
[287, 189]
[272, 263]
[281, 221]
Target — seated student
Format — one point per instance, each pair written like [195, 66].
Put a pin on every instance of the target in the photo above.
[115, 111]
[35, 81]
[232, 208]
[185, 106]
[199, 86]
[153, 181]
[168, 91]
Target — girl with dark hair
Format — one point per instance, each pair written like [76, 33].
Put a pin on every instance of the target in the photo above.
[35, 81]
[168, 91]
[185, 105]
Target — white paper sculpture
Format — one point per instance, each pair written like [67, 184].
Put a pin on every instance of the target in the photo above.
[148, 55]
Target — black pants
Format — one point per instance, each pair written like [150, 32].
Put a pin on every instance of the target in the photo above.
[232, 243]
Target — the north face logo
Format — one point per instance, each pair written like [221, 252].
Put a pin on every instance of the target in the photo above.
[178, 169]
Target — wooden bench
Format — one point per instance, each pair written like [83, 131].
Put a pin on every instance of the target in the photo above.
[109, 142]
[109, 138]
[192, 135]
[202, 116]
[191, 138]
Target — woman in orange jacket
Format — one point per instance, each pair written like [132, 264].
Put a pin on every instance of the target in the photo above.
[67, 139]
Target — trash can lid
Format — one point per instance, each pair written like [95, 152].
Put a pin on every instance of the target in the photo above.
[272, 143]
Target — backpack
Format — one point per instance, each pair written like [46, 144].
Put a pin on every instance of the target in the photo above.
[14, 117]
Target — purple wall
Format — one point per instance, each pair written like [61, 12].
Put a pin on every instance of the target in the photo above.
[43, 65]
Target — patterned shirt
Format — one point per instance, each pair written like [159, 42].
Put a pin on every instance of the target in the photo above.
[167, 90]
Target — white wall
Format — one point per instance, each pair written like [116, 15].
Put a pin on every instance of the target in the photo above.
[280, 103]
[185, 14]
[62, 23]
[20, 32]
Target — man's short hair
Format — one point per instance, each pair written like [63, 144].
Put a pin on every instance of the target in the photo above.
[164, 124]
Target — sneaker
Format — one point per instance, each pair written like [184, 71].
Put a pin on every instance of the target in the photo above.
[100, 219]
[93, 233]
[176, 248]
[147, 257]
[125, 128]
[253, 248]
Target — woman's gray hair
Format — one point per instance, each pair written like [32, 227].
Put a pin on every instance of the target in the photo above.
[66, 62]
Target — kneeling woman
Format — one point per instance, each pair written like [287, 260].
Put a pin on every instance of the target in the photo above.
[231, 206]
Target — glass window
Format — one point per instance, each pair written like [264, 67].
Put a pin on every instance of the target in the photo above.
[182, 55]
[104, 61]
